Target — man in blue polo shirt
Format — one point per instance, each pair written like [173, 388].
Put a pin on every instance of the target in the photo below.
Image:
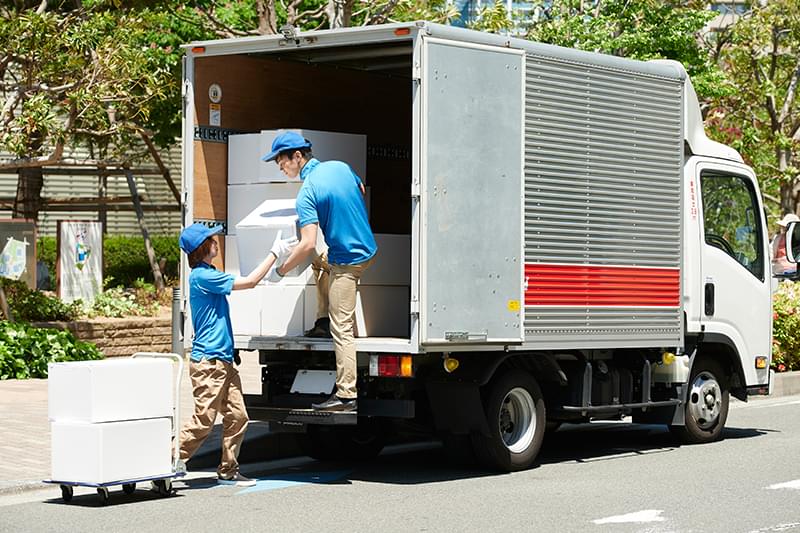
[216, 385]
[331, 199]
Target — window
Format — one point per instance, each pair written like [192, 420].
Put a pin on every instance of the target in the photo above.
[732, 220]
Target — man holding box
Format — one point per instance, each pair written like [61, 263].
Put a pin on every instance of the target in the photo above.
[331, 199]
[216, 384]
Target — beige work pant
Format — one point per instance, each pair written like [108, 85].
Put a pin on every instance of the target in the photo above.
[217, 388]
[339, 303]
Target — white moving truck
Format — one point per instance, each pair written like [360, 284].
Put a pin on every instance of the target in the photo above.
[578, 249]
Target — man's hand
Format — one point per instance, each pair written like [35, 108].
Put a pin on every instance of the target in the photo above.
[281, 248]
[273, 276]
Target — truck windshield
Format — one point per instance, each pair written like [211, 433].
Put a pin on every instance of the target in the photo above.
[732, 221]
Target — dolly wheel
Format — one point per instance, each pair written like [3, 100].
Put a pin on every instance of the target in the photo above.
[66, 493]
[102, 494]
[128, 488]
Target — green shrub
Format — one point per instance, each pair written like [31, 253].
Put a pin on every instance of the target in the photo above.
[124, 257]
[35, 306]
[25, 351]
[117, 302]
[786, 327]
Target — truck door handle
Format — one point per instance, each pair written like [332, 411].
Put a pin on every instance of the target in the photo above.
[709, 299]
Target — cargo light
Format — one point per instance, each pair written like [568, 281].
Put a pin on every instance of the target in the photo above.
[391, 366]
[761, 361]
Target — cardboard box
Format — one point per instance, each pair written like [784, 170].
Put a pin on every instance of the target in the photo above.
[256, 233]
[381, 311]
[243, 199]
[245, 153]
[111, 451]
[392, 264]
[110, 390]
[282, 310]
[245, 306]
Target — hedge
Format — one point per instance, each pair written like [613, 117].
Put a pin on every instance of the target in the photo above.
[124, 257]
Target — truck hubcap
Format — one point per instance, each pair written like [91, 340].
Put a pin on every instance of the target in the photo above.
[705, 400]
[517, 420]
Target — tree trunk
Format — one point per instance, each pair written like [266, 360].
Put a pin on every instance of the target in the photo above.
[29, 193]
[339, 13]
[151, 255]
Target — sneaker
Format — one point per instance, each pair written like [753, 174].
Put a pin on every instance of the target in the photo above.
[180, 467]
[321, 329]
[334, 403]
[236, 479]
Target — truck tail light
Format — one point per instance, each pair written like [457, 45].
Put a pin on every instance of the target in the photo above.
[391, 366]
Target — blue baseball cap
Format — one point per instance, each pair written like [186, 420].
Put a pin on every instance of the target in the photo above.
[286, 141]
[193, 236]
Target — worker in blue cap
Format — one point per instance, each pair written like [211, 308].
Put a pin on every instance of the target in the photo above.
[216, 384]
[331, 199]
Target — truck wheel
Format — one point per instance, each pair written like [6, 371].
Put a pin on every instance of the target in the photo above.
[331, 443]
[515, 413]
[66, 493]
[706, 408]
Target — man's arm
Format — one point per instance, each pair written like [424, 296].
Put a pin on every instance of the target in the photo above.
[308, 241]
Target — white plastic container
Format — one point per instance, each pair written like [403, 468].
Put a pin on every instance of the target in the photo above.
[676, 371]
[282, 309]
[110, 390]
[111, 451]
[381, 310]
[243, 199]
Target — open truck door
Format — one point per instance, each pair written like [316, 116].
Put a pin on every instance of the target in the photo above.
[472, 114]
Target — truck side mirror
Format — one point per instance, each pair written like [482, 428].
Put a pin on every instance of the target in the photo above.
[792, 242]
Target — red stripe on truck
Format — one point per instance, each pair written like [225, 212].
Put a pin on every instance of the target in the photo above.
[586, 285]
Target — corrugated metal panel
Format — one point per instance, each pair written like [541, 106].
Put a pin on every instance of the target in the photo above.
[603, 158]
[154, 188]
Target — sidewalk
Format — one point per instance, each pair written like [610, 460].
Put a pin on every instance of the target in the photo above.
[25, 439]
[25, 435]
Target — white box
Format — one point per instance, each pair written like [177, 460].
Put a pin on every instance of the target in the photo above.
[111, 451]
[256, 233]
[282, 310]
[392, 264]
[243, 199]
[110, 390]
[381, 311]
[245, 153]
[295, 277]
[245, 306]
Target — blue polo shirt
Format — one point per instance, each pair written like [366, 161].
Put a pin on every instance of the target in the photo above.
[211, 317]
[331, 197]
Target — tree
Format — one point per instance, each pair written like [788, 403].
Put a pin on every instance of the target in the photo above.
[760, 115]
[647, 29]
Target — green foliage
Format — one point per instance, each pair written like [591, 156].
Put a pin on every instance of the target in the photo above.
[124, 257]
[492, 18]
[118, 302]
[647, 29]
[34, 306]
[786, 327]
[25, 351]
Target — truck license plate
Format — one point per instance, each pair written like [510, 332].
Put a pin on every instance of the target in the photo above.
[314, 381]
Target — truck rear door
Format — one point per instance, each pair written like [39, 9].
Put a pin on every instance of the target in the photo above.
[471, 194]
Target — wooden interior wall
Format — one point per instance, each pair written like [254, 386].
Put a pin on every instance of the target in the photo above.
[266, 93]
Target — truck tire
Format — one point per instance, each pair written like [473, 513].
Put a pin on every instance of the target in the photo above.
[515, 412]
[706, 408]
[335, 443]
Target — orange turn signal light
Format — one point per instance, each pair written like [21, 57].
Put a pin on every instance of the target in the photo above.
[402, 31]
[406, 370]
[198, 49]
[761, 362]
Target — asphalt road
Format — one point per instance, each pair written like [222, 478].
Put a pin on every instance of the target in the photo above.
[598, 478]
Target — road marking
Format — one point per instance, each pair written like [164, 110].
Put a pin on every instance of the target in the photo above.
[787, 485]
[779, 527]
[765, 404]
[648, 515]
[293, 480]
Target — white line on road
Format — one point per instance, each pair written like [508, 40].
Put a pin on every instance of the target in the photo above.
[787, 485]
[648, 515]
[779, 527]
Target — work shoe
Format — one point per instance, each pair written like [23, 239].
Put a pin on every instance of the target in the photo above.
[334, 403]
[321, 329]
[236, 479]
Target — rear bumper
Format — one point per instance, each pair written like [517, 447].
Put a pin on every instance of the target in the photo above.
[763, 390]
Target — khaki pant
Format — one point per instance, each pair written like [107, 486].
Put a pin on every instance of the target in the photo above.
[339, 303]
[217, 388]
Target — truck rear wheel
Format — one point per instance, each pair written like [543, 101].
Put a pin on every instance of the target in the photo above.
[352, 443]
[515, 412]
[706, 408]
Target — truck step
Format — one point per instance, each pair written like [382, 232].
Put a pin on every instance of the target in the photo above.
[291, 416]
